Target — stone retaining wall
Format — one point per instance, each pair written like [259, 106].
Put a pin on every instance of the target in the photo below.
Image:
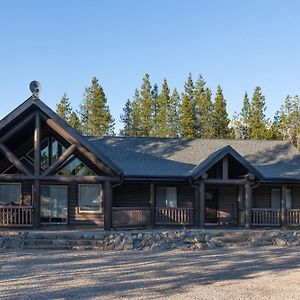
[190, 240]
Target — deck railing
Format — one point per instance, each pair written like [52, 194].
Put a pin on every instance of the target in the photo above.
[266, 217]
[174, 216]
[131, 217]
[293, 216]
[147, 216]
[15, 216]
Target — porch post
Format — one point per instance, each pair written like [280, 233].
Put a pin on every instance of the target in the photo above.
[152, 204]
[107, 205]
[202, 205]
[196, 207]
[248, 204]
[241, 206]
[283, 206]
[36, 201]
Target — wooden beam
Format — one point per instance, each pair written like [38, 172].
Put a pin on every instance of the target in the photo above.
[241, 206]
[283, 206]
[60, 160]
[107, 194]
[37, 171]
[13, 178]
[196, 207]
[78, 179]
[248, 205]
[152, 204]
[225, 182]
[202, 205]
[225, 168]
[14, 160]
[17, 128]
[89, 155]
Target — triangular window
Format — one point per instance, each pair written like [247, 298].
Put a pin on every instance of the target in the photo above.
[75, 166]
[12, 169]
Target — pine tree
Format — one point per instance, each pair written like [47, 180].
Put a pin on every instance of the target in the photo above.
[74, 121]
[146, 107]
[199, 94]
[95, 114]
[257, 119]
[63, 108]
[154, 95]
[135, 114]
[173, 115]
[126, 119]
[163, 108]
[220, 116]
[187, 110]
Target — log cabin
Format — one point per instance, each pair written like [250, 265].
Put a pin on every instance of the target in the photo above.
[51, 174]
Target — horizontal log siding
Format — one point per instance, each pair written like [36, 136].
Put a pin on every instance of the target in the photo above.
[185, 196]
[262, 197]
[296, 197]
[131, 195]
[227, 205]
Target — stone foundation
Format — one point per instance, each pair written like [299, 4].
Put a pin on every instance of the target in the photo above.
[156, 240]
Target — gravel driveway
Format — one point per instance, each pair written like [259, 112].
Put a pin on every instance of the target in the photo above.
[257, 273]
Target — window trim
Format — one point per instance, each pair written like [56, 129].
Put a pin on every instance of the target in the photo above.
[166, 187]
[21, 195]
[100, 199]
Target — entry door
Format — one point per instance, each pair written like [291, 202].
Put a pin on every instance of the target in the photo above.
[211, 207]
[54, 204]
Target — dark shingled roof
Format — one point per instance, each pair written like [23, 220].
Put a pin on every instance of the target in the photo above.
[164, 157]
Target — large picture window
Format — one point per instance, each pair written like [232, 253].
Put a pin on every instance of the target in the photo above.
[89, 198]
[166, 196]
[10, 193]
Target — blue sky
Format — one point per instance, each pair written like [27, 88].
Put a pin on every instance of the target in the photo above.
[63, 44]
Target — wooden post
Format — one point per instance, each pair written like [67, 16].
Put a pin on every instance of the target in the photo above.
[152, 204]
[107, 205]
[196, 207]
[202, 205]
[225, 170]
[248, 205]
[37, 170]
[283, 206]
[241, 206]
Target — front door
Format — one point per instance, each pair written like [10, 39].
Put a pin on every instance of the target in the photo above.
[54, 204]
[211, 207]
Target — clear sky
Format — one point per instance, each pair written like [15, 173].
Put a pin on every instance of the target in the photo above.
[235, 43]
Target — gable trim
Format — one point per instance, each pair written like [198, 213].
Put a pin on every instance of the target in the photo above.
[219, 155]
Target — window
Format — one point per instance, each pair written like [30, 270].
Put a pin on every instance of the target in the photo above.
[276, 198]
[75, 167]
[10, 193]
[89, 198]
[166, 197]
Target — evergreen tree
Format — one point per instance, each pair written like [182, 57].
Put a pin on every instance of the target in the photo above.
[146, 107]
[74, 121]
[173, 115]
[163, 109]
[126, 119]
[95, 114]
[155, 123]
[187, 110]
[257, 120]
[63, 108]
[220, 116]
[199, 94]
[135, 114]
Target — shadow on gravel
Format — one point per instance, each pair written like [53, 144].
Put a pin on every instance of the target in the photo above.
[86, 274]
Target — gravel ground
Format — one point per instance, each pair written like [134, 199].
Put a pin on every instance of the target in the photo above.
[257, 273]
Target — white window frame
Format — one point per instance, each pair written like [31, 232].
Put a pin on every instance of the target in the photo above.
[15, 183]
[100, 199]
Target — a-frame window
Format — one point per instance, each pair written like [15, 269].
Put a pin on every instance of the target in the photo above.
[74, 166]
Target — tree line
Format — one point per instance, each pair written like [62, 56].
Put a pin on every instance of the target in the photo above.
[157, 111]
